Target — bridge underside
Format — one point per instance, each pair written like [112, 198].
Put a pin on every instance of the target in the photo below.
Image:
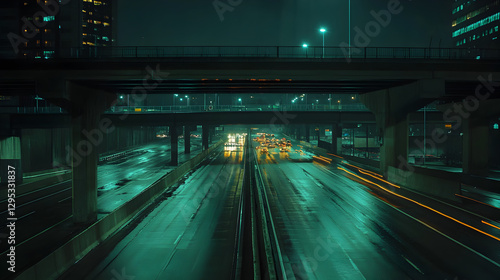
[24, 121]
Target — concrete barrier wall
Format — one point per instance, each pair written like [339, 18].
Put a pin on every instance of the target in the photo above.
[370, 164]
[65, 256]
[437, 183]
[310, 146]
[325, 145]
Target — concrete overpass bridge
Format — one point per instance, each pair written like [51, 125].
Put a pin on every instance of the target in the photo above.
[392, 82]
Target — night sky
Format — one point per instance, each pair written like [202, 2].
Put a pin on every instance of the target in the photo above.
[279, 22]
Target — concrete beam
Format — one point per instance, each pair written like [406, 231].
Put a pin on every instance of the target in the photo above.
[86, 107]
[187, 140]
[475, 147]
[174, 145]
[336, 134]
[307, 129]
[204, 137]
[393, 104]
[391, 108]
[474, 114]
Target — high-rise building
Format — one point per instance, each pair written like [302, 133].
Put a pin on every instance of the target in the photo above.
[47, 28]
[475, 23]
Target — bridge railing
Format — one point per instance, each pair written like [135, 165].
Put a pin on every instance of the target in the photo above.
[358, 107]
[233, 108]
[191, 109]
[312, 52]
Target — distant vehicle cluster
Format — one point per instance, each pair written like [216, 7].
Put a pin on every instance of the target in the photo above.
[268, 141]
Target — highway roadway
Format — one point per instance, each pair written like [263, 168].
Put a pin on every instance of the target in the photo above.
[333, 221]
[45, 214]
[190, 235]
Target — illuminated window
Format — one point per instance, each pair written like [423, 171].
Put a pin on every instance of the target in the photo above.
[477, 24]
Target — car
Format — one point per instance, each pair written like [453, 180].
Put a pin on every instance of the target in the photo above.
[263, 150]
[272, 146]
[283, 150]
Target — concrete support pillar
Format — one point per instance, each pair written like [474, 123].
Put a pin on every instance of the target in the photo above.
[391, 108]
[10, 155]
[475, 146]
[174, 145]
[204, 137]
[308, 132]
[87, 133]
[336, 133]
[212, 134]
[187, 140]
[84, 167]
[394, 149]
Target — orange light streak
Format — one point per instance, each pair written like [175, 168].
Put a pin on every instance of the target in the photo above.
[424, 206]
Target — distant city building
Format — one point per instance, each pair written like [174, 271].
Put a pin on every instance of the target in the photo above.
[475, 23]
[46, 28]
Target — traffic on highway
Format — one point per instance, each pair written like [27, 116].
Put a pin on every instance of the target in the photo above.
[313, 215]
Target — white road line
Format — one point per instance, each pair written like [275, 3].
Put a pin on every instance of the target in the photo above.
[446, 236]
[26, 215]
[178, 238]
[64, 199]
[412, 264]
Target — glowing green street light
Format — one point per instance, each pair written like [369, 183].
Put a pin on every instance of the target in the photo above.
[323, 30]
[173, 98]
[305, 47]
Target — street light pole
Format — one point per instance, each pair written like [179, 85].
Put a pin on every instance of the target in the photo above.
[349, 28]
[322, 30]
[305, 47]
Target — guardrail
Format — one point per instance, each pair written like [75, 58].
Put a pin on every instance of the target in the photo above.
[191, 109]
[310, 52]
[234, 108]
[201, 108]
